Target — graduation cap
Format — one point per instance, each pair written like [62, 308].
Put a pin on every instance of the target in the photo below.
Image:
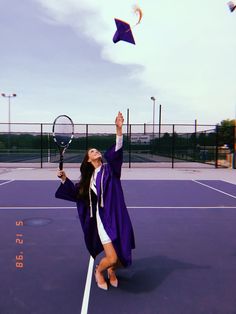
[123, 32]
[232, 5]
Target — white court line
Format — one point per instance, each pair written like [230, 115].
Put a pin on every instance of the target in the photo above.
[85, 302]
[131, 207]
[37, 207]
[181, 207]
[7, 182]
[210, 187]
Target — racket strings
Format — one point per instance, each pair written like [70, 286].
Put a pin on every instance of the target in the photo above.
[63, 131]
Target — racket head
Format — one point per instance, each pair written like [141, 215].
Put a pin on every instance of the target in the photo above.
[63, 131]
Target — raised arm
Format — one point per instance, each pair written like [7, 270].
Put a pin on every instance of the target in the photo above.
[66, 190]
[119, 137]
[114, 155]
[119, 123]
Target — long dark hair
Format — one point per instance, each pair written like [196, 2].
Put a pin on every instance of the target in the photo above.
[86, 170]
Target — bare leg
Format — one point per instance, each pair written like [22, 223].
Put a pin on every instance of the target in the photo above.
[111, 270]
[109, 261]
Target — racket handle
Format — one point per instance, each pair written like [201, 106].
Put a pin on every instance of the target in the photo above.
[61, 165]
[61, 161]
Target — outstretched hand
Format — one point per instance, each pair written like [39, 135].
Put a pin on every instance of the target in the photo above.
[119, 120]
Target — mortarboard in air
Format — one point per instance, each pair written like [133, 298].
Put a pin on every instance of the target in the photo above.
[123, 32]
[232, 5]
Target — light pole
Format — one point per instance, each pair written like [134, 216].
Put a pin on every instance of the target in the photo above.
[9, 109]
[153, 115]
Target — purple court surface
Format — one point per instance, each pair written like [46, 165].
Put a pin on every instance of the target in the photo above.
[184, 261]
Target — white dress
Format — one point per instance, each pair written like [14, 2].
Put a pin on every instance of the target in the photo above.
[101, 231]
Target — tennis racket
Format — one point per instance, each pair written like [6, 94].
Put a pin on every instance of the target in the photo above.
[63, 133]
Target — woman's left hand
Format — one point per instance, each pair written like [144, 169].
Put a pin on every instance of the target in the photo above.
[119, 120]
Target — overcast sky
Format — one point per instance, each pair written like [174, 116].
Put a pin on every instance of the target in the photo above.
[59, 58]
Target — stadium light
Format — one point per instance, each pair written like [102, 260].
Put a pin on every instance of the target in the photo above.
[9, 108]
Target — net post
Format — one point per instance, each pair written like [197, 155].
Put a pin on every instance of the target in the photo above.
[41, 145]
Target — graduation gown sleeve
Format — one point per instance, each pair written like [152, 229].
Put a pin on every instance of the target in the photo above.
[66, 191]
[114, 159]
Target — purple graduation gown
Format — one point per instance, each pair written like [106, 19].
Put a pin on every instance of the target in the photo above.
[114, 214]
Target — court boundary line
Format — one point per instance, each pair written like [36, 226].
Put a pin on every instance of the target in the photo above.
[129, 207]
[85, 302]
[210, 187]
[6, 182]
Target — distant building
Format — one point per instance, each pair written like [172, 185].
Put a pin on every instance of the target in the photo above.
[140, 139]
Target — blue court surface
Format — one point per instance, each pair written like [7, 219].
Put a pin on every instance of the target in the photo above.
[184, 261]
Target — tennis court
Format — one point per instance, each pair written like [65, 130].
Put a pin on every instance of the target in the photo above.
[185, 256]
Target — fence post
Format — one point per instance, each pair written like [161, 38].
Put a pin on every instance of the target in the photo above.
[173, 146]
[129, 141]
[49, 149]
[234, 146]
[159, 132]
[217, 143]
[86, 138]
[41, 145]
[127, 123]
[195, 140]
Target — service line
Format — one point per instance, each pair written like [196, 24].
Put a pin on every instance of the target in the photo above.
[210, 187]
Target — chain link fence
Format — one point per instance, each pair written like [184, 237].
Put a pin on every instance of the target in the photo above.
[166, 145]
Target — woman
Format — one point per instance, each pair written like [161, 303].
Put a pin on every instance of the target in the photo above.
[102, 210]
